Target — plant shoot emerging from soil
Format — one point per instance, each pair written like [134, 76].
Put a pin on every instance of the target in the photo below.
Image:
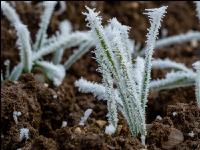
[114, 57]
[141, 108]
[24, 134]
[87, 113]
[16, 114]
[31, 55]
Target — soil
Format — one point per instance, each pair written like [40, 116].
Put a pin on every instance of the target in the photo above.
[44, 107]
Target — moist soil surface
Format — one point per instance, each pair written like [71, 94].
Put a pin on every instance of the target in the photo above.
[172, 115]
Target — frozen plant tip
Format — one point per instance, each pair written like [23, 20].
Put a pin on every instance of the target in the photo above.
[98, 90]
[87, 113]
[121, 88]
[85, 86]
[24, 134]
[110, 129]
[16, 114]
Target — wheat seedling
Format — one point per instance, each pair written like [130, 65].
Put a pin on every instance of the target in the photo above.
[114, 56]
[31, 55]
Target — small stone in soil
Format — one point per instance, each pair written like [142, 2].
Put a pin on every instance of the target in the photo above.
[46, 85]
[78, 130]
[194, 43]
[101, 123]
[15, 82]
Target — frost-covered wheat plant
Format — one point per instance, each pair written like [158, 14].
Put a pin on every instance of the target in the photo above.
[32, 54]
[125, 86]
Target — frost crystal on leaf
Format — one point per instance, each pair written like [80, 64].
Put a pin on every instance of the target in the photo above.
[85, 86]
[98, 90]
[87, 113]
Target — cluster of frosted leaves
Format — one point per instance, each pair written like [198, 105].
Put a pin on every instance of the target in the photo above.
[114, 56]
[32, 54]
